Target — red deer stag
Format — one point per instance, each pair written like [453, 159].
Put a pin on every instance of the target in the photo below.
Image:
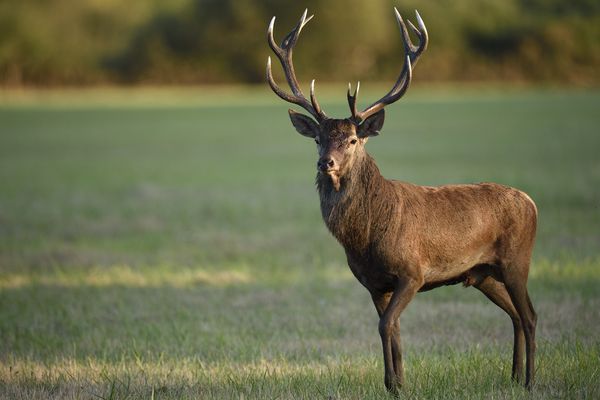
[401, 238]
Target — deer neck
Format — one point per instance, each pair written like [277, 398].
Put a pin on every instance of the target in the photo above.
[349, 212]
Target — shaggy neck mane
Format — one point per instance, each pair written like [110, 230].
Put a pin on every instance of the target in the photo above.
[356, 214]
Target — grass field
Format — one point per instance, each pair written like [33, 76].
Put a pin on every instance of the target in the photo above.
[173, 249]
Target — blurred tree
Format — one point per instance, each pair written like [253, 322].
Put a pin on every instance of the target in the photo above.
[55, 42]
[220, 40]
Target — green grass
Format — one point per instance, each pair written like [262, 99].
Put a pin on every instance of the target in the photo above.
[173, 249]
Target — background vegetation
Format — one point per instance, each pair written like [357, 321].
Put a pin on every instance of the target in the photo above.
[174, 249]
[57, 42]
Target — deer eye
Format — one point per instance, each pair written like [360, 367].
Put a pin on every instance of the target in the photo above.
[353, 141]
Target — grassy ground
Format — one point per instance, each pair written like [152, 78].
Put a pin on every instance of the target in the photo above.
[167, 249]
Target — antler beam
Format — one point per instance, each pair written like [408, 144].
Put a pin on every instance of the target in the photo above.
[284, 54]
[402, 83]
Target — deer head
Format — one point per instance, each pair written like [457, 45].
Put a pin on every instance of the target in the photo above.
[340, 141]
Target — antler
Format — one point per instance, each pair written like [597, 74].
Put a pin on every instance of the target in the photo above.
[401, 86]
[284, 53]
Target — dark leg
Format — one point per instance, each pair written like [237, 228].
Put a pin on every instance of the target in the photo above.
[389, 327]
[532, 310]
[381, 302]
[496, 292]
[516, 286]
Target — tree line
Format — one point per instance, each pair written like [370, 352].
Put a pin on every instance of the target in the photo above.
[61, 42]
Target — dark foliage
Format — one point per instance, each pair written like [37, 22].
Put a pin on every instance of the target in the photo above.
[211, 41]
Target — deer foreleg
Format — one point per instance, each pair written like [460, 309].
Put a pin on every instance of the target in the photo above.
[381, 302]
[389, 330]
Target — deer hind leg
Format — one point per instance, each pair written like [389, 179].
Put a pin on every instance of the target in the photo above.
[497, 293]
[516, 285]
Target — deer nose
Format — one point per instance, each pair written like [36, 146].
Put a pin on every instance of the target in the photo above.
[325, 164]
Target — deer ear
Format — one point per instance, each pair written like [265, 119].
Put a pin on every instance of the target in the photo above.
[305, 125]
[372, 125]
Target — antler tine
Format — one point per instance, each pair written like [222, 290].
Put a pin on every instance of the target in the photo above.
[289, 41]
[278, 91]
[421, 32]
[403, 82]
[352, 99]
[313, 99]
[284, 54]
[276, 49]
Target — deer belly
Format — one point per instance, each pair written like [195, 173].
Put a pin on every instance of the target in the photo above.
[451, 268]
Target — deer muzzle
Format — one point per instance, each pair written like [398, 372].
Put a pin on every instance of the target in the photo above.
[326, 164]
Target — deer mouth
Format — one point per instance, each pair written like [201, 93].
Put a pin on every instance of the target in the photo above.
[333, 174]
